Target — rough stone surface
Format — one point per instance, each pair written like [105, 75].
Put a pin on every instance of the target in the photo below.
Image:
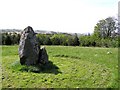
[43, 56]
[29, 49]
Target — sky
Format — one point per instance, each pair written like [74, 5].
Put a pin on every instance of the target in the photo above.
[74, 16]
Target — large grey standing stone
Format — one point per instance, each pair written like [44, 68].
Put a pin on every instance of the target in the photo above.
[29, 49]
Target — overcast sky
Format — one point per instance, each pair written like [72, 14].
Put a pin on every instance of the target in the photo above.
[77, 16]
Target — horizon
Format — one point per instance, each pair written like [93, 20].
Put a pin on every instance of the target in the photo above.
[47, 31]
[56, 15]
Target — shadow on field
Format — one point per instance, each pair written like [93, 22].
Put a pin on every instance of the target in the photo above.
[46, 68]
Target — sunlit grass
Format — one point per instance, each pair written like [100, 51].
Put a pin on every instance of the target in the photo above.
[75, 67]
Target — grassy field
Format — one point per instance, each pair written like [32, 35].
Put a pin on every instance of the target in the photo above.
[70, 67]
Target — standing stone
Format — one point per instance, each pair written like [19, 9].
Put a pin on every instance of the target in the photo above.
[43, 56]
[28, 47]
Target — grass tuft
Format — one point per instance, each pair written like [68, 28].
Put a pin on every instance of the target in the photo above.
[41, 68]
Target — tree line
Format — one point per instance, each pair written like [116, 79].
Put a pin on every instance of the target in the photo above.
[10, 38]
[105, 35]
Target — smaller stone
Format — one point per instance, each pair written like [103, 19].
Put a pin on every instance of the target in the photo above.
[43, 57]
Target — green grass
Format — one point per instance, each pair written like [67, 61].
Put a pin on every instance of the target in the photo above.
[74, 67]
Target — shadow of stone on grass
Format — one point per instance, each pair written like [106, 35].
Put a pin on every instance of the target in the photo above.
[42, 68]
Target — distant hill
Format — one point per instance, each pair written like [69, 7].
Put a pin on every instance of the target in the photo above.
[18, 31]
[10, 30]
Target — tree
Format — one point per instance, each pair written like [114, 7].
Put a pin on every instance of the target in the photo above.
[14, 38]
[8, 40]
[85, 40]
[47, 40]
[70, 41]
[104, 28]
[76, 40]
[63, 39]
[55, 39]
[3, 38]
[44, 39]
